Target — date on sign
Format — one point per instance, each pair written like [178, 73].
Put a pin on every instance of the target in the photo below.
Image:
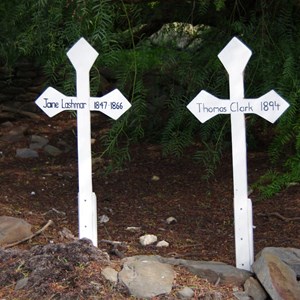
[108, 105]
[269, 105]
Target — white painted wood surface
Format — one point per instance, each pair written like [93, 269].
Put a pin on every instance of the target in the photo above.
[82, 56]
[271, 106]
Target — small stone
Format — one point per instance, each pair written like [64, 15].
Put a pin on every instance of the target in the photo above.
[65, 233]
[26, 153]
[15, 135]
[110, 274]
[148, 239]
[103, 219]
[155, 178]
[241, 296]
[7, 124]
[51, 150]
[66, 147]
[162, 244]
[38, 141]
[133, 229]
[35, 146]
[185, 293]
[171, 220]
[21, 283]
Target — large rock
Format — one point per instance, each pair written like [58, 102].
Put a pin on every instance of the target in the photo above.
[110, 274]
[254, 290]
[146, 278]
[214, 272]
[13, 230]
[290, 256]
[276, 269]
[218, 272]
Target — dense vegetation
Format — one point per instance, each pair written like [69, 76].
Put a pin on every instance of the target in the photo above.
[160, 54]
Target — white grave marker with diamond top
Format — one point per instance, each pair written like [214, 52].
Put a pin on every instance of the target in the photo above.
[270, 106]
[82, 56]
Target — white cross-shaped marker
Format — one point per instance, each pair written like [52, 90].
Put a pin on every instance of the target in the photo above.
[271, 106]
[82, 56]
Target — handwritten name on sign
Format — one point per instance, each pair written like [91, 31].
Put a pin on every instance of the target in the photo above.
[270, 106]
[113, 104]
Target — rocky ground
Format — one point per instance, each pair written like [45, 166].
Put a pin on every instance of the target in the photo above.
[148, 190]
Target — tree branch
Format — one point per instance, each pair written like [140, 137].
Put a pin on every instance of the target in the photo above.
[279, 216]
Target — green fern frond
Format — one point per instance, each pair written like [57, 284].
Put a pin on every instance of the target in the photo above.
[272, 182]
[210, 157]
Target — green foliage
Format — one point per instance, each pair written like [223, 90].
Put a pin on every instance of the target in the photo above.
[160, 77]
[279, 54]
[214, 144]
[274, 38]
[177, 134]
[44, 30]
[274, 181]
[127, 129]
[219, 4]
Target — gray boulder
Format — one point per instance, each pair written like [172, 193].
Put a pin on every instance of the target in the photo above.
[146, 278]
[276, 270]
[254, 290]
[13, 230]
[218, 272]
[214, 272]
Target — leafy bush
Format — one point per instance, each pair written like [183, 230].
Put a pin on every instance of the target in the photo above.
[161, 75]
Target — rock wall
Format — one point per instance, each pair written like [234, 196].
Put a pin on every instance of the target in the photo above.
[21, 86]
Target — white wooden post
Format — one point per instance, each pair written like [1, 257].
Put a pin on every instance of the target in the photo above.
[271, 106]
[82, 56]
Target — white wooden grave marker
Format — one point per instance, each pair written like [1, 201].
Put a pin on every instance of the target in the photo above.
[270, 106]
[82, 56]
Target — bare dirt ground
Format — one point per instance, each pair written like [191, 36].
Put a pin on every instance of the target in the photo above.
[148, 190]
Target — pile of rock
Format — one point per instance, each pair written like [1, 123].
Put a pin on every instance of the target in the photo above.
[36, 143]
[276, 271]
[21, 86]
